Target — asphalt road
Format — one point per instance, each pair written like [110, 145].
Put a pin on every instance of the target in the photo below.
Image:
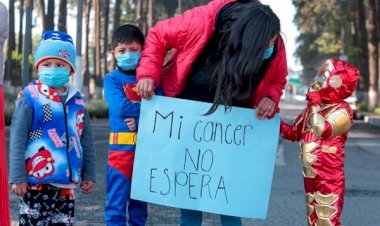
[286, 207]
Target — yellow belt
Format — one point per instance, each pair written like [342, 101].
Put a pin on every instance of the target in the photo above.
[123, 138]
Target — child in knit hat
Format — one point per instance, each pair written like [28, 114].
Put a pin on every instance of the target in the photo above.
[51, 144]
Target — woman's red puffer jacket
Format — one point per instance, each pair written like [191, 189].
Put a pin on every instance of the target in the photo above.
[188, 34]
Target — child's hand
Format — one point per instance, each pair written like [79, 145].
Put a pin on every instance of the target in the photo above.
[313, 98]
[87, 186]
[131, 123]
[20, 188]
[145, 88]
[265, 108]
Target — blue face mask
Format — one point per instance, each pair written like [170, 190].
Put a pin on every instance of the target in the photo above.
[54, 77]
[128, 61]
[268, 52]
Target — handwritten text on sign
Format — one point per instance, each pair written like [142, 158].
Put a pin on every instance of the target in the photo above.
[221, 163]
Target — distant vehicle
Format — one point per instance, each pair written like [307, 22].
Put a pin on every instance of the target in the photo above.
[299, 97]
[300, 93]
[352, 101]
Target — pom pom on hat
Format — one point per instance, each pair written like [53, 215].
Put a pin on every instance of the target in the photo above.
[55, 44]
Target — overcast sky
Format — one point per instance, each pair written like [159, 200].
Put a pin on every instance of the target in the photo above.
[285, 10]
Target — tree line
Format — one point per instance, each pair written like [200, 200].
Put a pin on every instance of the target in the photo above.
[348, 29]
[99, 19]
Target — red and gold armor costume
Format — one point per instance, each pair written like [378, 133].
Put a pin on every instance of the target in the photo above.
[322, 129]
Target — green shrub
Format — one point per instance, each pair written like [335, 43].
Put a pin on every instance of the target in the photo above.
[8, 115]
[97, 108]
[377, 111]
[361, 107]
[9, 103]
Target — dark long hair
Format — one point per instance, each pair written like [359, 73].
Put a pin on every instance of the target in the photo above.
[245, 30]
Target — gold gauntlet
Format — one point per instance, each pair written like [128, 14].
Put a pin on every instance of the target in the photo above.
[317, 121]
[338, 119]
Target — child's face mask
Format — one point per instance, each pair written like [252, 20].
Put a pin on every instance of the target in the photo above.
[54, 77]
[128, 61]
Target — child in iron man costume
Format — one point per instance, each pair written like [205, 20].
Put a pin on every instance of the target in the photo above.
[322, 129]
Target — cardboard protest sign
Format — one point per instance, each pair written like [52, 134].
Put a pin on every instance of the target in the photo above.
[221, 163]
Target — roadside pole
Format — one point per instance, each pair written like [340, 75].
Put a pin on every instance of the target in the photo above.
[28, 31]
[78, 77]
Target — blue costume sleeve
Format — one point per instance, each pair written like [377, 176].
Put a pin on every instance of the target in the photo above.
[159, 91]
[117, 102]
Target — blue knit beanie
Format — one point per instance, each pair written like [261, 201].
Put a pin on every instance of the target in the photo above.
[55, 44]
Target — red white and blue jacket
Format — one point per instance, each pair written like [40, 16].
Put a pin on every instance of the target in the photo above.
[53, 150]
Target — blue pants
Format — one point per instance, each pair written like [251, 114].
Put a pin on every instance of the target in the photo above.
[118, 193]
[194, 218]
